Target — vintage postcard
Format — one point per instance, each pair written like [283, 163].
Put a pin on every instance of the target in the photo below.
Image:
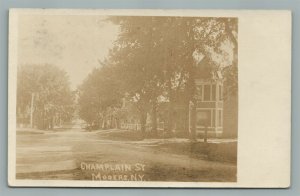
[149, 98]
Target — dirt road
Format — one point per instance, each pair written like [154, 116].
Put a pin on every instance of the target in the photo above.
[65, 154]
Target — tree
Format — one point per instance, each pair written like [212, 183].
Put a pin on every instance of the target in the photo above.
[46, 90]
[161, 56]
[139, 71]
[99, 97]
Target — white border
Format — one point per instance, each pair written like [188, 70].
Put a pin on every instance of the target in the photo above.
[264, 97]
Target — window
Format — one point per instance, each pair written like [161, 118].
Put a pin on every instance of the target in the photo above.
[213, 92]
[206, 93]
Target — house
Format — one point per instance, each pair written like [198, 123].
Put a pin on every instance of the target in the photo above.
[209, 105]
[215, 113]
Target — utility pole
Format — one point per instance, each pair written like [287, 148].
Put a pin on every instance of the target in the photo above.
[31, 110]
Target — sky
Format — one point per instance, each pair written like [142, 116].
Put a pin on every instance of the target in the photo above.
[73, 43]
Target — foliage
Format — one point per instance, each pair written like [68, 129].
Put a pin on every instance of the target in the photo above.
[157, 59]
[99, 95]
[47, 88]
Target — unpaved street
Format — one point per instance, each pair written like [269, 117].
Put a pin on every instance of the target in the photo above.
[59, 154]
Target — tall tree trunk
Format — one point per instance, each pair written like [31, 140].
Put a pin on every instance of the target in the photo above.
[100, 123]
[51, 122]
[186, 118]
[111, 126]
[170, 111]
[192, 102]
[193, 120]
[143, 119]
[104, 125]
[154, 118]
[170, 118]
[117, 123]
[60, 120]
[41, 119]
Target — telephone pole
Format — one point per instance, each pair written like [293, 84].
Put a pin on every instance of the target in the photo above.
[31, 110]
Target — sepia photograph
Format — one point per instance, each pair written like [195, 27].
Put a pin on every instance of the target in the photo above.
[124, 98]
